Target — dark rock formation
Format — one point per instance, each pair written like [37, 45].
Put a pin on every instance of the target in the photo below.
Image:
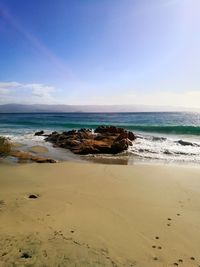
[186, 143]
[40, 133]
[106, 140]
[109, 129]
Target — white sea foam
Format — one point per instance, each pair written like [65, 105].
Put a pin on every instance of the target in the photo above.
[145, 147]
[166, 149]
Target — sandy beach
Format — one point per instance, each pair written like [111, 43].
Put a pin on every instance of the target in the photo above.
[73, 214]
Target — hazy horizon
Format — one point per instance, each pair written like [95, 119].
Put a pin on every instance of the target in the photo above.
[100, 53]
[51, 108]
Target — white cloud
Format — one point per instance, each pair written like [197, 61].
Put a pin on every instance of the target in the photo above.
[9, 84]
[25, 93]
[40, 90]
[37, 93]
[3, 91]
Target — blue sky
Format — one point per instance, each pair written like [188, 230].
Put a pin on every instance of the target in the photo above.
[100, 52]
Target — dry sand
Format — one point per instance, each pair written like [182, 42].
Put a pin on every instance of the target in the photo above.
[99, 215]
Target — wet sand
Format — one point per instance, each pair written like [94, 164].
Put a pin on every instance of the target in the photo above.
[38, 149]
[72, 214]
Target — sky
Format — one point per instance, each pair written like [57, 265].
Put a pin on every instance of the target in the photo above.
[100, 52]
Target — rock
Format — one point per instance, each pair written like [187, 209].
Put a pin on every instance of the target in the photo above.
[85, 135]
[5, 147]
[85, 130]
[52, 137]
[122, 136]
[105, 137]
[167, 152]
[92, 147]
[43, 160]
[69, 143]
[130, 143]
[119, 146]
[24, 156]
[115, 130]
[186, 143]
[106, 140]
[156, 138]
[109, 129]
[40, 133]
[33, 196]
[131, 136]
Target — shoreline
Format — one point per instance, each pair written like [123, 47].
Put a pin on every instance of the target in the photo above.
[148, 148]
[90, 145]
[99, 215]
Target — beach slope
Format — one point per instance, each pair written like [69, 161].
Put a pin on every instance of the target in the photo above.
[71, 214]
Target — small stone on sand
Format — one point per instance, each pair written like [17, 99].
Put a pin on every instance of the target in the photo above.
[32, 196]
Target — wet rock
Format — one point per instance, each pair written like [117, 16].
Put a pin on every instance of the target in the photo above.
[131, 136]
[122, 136]
[119, 146]
[92, 147]
[167, 152]
[186, 143]
[156, 138]
[52, 137]
[43, 160]
[106, 140]
[109, 129]
[115, 130]
[39, 133]
[24, 156]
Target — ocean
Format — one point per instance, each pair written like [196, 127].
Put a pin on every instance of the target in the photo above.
[159, 133]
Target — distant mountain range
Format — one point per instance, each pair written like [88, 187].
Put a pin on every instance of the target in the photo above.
[37, 108]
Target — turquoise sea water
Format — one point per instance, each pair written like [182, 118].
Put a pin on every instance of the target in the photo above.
[157, 132]
[170, 123]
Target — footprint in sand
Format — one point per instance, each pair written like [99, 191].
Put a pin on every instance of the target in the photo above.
[2, 203]
[192, 258]
[159, 247]
[169, 224]
[26, 255]
[4, 254]
[180, 260]
[157, 237]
